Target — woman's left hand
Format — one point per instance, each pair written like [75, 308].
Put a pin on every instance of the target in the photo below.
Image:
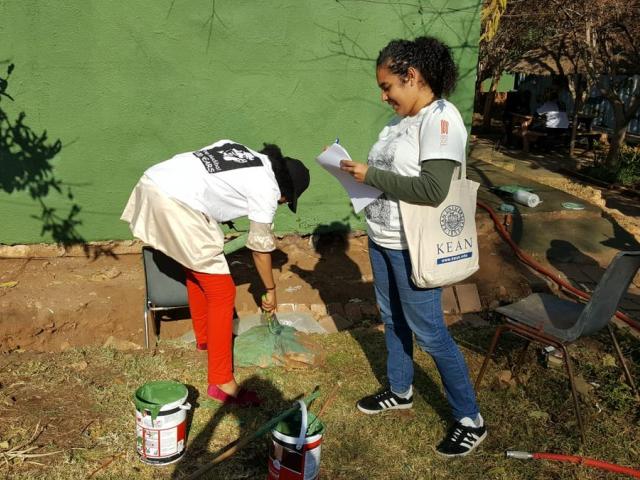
[357, 170]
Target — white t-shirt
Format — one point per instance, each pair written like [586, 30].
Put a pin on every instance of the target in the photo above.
[435, 132]
[225, 180]
[554, 118]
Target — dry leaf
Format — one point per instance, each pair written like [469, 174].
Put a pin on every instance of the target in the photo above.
[609, 360]
[538, 414]
[582, 386]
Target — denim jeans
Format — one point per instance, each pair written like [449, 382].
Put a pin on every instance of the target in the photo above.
[407, 309]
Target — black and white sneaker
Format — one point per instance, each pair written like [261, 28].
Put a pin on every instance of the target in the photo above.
[386, 400]
[462, 439]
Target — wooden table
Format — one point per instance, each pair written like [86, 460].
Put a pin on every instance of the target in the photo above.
[521, 129]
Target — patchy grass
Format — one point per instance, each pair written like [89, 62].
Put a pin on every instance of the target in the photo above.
[81, 400]
[627, 172]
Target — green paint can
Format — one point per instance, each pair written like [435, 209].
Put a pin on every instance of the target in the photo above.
[161, 421]
[294, 449]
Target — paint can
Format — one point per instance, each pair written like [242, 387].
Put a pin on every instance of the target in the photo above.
[294, 449]
[161, 421]
[526, 198]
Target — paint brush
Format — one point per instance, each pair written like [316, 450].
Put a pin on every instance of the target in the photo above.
[270, 318]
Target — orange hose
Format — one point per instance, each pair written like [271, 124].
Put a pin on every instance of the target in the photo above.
[536, 266]
[589, 462]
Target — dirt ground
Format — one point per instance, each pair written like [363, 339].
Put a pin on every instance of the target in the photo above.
[56, 307]
[51, 301]
[618, 202]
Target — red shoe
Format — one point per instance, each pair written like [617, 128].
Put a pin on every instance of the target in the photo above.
[201, 346]
[245, 398]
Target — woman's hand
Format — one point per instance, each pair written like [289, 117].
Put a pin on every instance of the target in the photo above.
[357, 170]
[269, 301]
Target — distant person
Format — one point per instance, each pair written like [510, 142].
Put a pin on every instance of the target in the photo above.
[414, 160]
[555, 116]
[552, 120]
[177, 206]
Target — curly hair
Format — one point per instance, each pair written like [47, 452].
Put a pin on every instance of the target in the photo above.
[431, 57]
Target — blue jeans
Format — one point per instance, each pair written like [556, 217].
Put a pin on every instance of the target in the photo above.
[407, 309]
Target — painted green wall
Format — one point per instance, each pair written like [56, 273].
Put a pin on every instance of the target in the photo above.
[505, 84]
[125, 84]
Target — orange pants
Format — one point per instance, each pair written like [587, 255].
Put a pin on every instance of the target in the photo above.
[211, 301]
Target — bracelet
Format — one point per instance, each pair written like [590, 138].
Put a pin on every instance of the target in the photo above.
[272, 288]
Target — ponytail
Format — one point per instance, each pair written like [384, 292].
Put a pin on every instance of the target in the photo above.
[431, 57]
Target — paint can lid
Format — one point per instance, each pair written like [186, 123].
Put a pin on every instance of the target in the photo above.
[573, 206]
[160, 395]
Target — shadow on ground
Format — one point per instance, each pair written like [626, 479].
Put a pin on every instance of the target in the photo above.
[332, 244]
[248, 462]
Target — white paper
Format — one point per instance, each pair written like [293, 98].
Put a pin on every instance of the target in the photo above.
[361, 195]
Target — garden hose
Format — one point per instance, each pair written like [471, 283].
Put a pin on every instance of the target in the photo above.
[589, 462]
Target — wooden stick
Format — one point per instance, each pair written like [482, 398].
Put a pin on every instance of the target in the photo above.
[33, 438]
[234, 446]
[105, 464]
[86, 426]
[329, 399]
[326, 403]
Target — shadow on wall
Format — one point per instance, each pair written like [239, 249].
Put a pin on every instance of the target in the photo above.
[417, 19]
[25, 165]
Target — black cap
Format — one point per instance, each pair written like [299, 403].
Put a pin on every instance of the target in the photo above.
[299, 179]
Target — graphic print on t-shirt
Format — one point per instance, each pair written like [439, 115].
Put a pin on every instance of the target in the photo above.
[379, 211]
[227, 156]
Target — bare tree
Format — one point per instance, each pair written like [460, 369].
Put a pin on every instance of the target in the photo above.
[599, 39]
[611, 34]
[506, 38]
[593, 43]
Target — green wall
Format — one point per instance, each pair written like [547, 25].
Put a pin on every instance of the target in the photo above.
[505, 84]
[125, 84]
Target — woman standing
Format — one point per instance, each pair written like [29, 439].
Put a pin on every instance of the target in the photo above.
[414, 160]
[176, 208]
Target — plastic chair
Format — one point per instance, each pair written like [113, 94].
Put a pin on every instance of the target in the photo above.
[165, 285]
[550, 320]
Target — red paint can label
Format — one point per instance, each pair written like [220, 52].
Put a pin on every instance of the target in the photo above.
[288, 463]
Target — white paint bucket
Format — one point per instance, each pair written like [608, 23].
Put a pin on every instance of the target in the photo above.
[161, 422]
[296, 457]
[526, 198]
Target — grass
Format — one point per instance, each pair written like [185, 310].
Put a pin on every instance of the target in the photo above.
[82, 400]
[627, 172]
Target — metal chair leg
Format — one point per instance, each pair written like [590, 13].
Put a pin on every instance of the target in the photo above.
[574, 392]
[623, 364]
[155, 323]
[492, 348]
[146, 325]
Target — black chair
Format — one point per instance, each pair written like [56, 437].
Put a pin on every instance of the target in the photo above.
[165, 288]
[550, 320]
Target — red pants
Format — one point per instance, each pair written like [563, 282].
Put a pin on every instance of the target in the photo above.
[211, 301]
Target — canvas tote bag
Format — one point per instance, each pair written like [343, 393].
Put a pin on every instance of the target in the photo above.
[443, 243]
